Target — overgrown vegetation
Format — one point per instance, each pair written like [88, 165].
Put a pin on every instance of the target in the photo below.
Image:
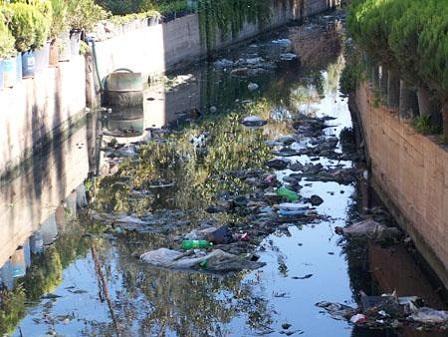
[352, 74]
[224, 18]
[409, 37]
[84, 14]
[29, 25]
[33, 22]
[424, 125]
[117, 7]
[7, 40]
[219, 19]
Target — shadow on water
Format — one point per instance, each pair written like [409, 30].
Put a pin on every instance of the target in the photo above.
[89, 283]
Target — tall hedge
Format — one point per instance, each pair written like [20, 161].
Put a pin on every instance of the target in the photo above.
[410, 35]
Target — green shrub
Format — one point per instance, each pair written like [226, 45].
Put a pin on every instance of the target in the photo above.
[42, 25]
[227, 17]
[84, 14]
[59, 22]
[167, 7]
[118, 7]
[424, 125]
[409, 36]
[7, 40]
[123, 19]
[30, 23]
[23, 25]
[350, 77]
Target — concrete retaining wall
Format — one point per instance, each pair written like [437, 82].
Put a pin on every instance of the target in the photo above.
[312, 7]
[31, 198]
[35, 109]
[410, 172]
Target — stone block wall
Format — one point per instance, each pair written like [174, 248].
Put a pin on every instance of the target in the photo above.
[410, 172]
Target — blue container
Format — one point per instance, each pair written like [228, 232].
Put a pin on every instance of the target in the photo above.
[1, 75]
[6, 278]
[42, 58]
[10, 72]
[75, 42]
[28, 64]
[18, 262]
[37, 243]
[19, 67]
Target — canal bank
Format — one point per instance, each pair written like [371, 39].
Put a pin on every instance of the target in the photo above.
[409, 170]
[92, 282]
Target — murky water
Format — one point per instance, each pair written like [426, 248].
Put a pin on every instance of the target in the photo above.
[88, 282]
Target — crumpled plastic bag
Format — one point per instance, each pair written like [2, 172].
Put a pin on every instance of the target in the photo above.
[371, 229]
[221, 235]
[216, 261]
[336, 310]
[429, 316]
[254, 121]
[200, 234]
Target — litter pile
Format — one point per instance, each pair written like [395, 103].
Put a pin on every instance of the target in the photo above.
[204, 250]
[273, 203]
[251, 64]
[215, 261]
[388, 311]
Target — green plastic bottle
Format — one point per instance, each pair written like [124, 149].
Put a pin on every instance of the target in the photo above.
[192, 244]
[287, 193]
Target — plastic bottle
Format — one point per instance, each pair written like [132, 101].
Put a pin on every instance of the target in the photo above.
[192, 244]
[287, 193]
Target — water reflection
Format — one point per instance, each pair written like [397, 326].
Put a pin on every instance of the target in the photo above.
[125, 123]
[88, 282]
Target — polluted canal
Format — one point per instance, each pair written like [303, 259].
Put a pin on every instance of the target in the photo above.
[257, 154]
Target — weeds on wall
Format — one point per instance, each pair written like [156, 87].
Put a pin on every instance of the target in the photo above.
[221, 19]
[354, 71]
[424, 125]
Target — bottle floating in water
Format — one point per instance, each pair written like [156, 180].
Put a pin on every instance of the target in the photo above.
[193, 244]
[287, 193]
